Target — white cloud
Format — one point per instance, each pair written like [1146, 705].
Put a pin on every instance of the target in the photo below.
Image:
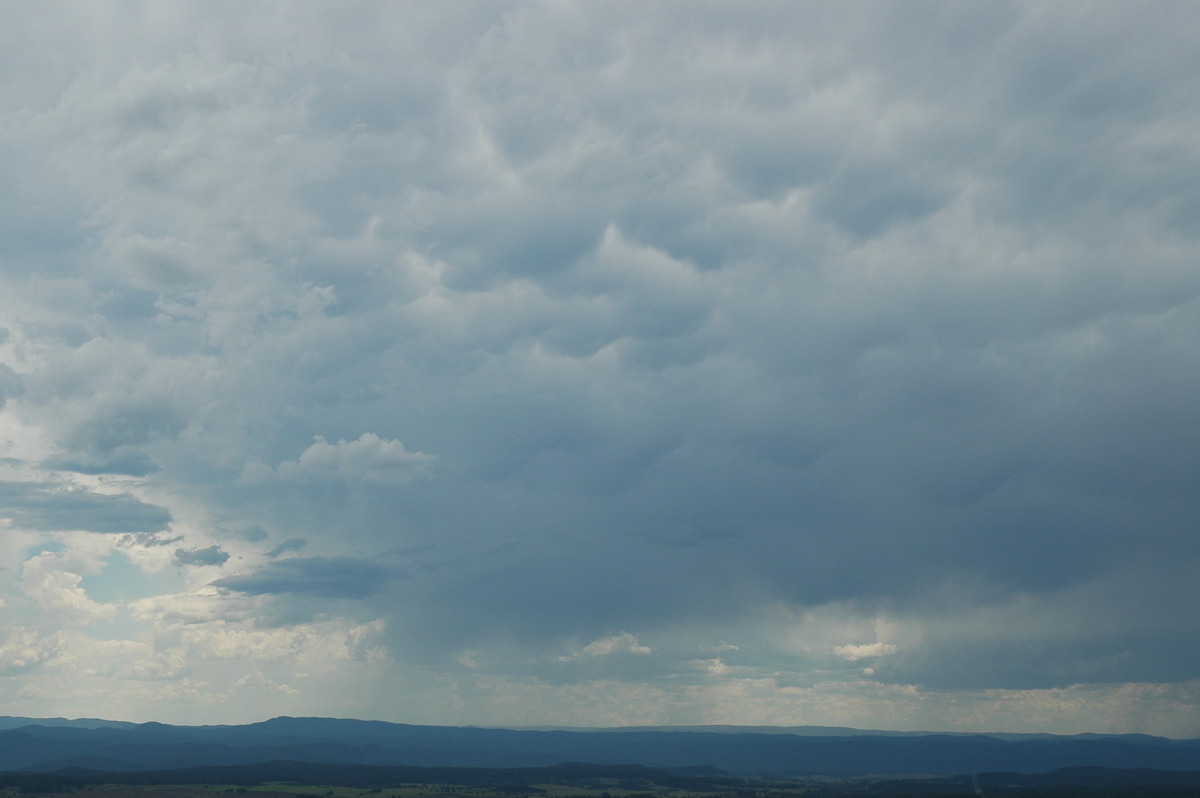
[52, 581]
[854, 653]
[623, 643]
[368, 459]
[189, 608]
[259, 682]
[23, 649]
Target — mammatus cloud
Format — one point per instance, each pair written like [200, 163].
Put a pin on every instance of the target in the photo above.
[788, 365]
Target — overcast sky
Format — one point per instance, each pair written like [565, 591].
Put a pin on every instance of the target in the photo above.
[602, 363]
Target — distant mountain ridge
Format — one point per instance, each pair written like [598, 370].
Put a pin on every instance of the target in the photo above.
[47, 745]
[10, 722]
[838, 731]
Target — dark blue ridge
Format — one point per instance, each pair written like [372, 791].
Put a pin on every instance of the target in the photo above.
[38, 747]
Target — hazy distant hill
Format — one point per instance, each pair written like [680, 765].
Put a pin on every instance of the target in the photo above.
[9, 722]
[49, 745]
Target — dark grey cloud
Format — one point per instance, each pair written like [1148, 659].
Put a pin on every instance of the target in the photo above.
[324, 577]
[212, 555]
[1113, 629]
[128, 462]
[10, 381]
[49, 507]
[148, 539]
[289, 545]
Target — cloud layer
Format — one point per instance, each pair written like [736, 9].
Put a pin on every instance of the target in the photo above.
[601, 364]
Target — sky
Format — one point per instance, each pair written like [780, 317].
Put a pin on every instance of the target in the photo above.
[600, 364]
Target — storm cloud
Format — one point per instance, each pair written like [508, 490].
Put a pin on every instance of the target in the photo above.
[685, 363]
[49, 506]
[329, 577]
[210, 555]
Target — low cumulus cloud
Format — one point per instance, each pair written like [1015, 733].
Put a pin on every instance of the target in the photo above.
[368, 459]
[623, 643]
[864, 651]
[23, 649]
[53, 582]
